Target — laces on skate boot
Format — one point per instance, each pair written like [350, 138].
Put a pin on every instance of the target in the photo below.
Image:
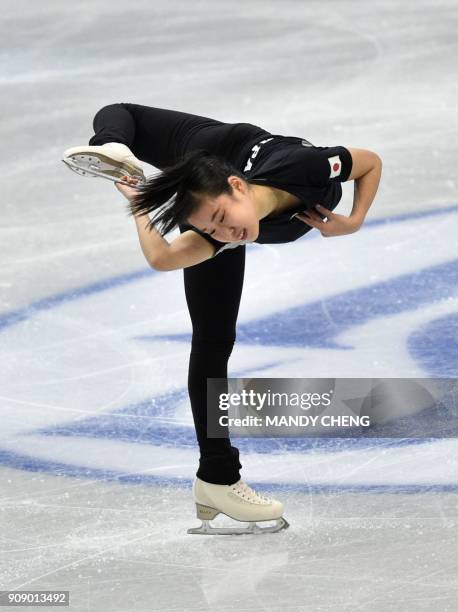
[246, 492]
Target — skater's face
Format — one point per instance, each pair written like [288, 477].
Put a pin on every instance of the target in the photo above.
[228, 217]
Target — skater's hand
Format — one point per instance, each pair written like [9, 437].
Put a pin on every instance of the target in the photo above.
[336, 225]
[128, 192]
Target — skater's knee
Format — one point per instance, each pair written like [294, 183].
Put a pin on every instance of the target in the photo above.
[112, 106]
[107, 110]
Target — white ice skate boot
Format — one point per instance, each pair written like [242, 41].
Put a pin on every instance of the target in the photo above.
[111, 161]
[237, 501]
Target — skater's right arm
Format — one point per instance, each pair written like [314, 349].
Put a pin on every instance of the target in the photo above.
[188, 249]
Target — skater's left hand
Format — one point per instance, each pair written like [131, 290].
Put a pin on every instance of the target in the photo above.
[336, 225]
[128, 192]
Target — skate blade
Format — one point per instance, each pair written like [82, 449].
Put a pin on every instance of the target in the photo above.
[252, 528]
[93, 171]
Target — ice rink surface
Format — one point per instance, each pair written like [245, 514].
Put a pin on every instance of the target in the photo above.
[97, 448]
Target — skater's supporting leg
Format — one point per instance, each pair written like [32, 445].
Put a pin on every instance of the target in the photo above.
[213, 291]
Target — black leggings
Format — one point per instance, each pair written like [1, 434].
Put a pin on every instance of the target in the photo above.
[213, 288]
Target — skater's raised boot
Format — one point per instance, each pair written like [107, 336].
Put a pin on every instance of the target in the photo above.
[111, 160]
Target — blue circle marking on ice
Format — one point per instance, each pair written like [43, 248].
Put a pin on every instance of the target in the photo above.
[435, 346]
[410, 290]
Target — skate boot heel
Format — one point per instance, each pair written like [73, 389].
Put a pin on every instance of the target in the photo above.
[204, 513]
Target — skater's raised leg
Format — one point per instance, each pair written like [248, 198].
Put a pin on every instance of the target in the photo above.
[126, 133]
[109, 153]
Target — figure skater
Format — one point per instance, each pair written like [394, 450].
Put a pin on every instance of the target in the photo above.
[223, 185]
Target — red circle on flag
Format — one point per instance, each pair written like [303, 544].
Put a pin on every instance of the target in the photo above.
[336, 167]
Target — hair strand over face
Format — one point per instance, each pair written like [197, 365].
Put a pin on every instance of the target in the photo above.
[176, 192]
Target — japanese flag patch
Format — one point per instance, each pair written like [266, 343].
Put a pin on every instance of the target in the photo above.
[336, 166]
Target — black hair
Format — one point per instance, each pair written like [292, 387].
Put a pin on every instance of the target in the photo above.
[177, 191]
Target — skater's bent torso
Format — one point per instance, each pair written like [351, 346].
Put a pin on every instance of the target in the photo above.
[305, 175]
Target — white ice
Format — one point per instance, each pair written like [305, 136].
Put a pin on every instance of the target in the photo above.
[96, 439]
